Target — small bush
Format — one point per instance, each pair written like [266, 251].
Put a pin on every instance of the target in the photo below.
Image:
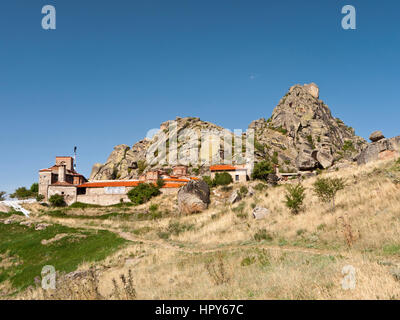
[209, 181]
[222, 179]
[142, 165]
[177, 228]
[239, 209]
[163, 235]
[143, 193]
[217, 271]
[294, 198]
[243, 191]
[327, 188]
[262, 169]
[160, 183]
[248, 261]
[57, 200]
[262, 234]
[153, 207]
[260, 186]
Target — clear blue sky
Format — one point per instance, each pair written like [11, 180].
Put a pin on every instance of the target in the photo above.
[112, 70]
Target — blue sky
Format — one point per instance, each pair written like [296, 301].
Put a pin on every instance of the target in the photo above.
[112, 70]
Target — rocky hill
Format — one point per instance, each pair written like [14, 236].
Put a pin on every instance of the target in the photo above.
[126, 163]
[301, 134]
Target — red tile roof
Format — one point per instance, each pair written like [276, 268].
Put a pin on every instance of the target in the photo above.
[119, 183]
[224, 167]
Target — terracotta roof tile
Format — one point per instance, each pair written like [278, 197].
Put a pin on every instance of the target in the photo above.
[224, 167]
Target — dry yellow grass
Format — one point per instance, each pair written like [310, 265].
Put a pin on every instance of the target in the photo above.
[301, 257]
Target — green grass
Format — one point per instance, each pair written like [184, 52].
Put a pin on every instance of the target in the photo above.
[63, 214]
[65, 255]
[137, 216]
[391, 249]
[9, 214]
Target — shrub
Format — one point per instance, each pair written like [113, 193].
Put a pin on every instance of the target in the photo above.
[2, 195]
[243, 191]
[217, 271]
[209, 181]
[262, 234]
[34, 188]
[141, 166]
[262, 169]
[153, 207]
[327, 188]
[57, 200]
[348, 146]
[274, 158]
[177, 228]
[39, 198]
[222, 179]
[260, 147]
[143, 193]
[24, 193]
[160, 183]
[294, 198]
[260, 187]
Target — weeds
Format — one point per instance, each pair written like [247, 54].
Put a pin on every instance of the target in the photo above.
[217, 271]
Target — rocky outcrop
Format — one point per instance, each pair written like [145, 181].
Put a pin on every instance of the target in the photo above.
[127, 163]
[376, 136]
[382, 149]
[303, 134]
[194, 197]
[260, 213]
[235, 197]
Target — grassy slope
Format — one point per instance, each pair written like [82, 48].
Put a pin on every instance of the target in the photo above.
[24, 244]
[282, 256]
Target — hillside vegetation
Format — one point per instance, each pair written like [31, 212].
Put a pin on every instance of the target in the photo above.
[224, 253]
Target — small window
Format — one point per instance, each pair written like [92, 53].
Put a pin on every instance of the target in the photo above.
[62, 192]
[237, 177]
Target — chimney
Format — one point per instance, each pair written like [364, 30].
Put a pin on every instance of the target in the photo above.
[61, 173]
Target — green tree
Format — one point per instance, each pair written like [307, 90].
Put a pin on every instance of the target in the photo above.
[160, 183]
[57, 200]
[143, 193]
[21, 193]
[34, 188]
[142, 165]
[3, 195]
[262, 169]
[327, 188]
[209, 181]
[222, 179]
[294, 197]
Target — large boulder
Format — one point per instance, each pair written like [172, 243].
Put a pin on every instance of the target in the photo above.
[376, 136]
[382, 149]
[194, 197]
[235, 197]
[4, 208]
[260, 213]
